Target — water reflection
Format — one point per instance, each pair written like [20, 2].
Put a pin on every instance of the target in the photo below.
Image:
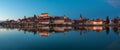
[107, 30]
[47, 30]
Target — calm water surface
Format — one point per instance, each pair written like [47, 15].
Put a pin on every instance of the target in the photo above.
[74, 39]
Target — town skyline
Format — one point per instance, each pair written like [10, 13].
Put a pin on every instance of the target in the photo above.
[45, 19]
[61, 15]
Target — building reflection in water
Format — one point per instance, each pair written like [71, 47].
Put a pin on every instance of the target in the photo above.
[44, 33]
[116, 30]
[107, 30]
[47, 30]
[61, 29]
[97, 28]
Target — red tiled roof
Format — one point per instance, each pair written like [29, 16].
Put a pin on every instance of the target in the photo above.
[78, 21]
[43, 20]
[67, 20]
[58, 17]
[98, 20]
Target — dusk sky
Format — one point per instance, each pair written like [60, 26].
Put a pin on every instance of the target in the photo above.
[14, 9]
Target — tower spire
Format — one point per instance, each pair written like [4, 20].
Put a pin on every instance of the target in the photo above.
[65, 17]
[81, 16]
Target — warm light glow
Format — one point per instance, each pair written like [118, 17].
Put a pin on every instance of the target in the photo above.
[97, 23]
[44, 15]
[44, 33]
[98, 28]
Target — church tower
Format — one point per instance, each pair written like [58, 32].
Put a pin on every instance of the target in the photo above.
[24, 17]
[81, 17]
[64, 16]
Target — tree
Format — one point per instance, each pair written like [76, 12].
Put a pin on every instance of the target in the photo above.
[116, 20]
[107, 20]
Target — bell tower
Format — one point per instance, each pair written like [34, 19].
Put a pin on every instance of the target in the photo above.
[64, 16]
[81, 17]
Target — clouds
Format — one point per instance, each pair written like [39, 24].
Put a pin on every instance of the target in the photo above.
[114, 3]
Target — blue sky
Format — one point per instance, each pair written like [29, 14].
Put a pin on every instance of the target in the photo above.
[14, 9]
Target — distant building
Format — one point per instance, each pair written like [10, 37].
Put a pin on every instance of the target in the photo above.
[44, 22]
[88, 22]
[59, 20]
[98, 22]
[19, 20]
[68, 21]
[44, 15]
[119, 21]
[78, 22]
[111, 22]
[13, 21]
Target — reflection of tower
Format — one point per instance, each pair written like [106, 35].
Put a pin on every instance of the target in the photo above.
[81, 32]
[107, 30]
[80, 16]
[24, 32]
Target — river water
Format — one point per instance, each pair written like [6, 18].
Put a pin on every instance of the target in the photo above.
[60, 38]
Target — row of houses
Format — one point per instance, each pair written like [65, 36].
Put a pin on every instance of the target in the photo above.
[97, 21]
[43, 19]
[89, 22]
[46, 19]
